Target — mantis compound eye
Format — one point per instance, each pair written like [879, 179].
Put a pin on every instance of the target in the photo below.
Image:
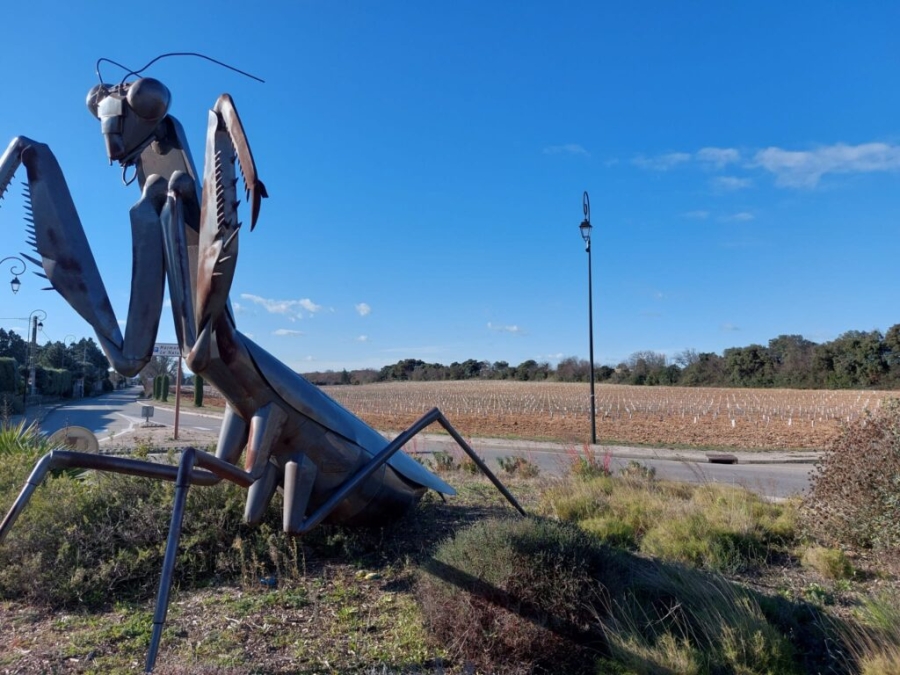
[149, 98]
[94, 96]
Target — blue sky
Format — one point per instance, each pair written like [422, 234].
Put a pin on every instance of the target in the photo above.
[426, 161]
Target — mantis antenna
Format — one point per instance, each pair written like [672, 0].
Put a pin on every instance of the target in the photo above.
[129, 72]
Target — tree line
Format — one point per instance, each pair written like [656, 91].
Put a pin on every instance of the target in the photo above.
[855, 359]
[58, 366]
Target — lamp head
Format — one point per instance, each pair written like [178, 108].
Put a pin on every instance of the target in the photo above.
[585, 228]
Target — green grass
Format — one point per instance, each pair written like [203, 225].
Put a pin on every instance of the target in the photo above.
[640, 568]
[710, 526]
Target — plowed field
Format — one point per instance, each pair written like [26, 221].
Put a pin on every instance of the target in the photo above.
[665, 416]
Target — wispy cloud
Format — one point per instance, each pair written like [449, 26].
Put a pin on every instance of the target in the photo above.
[285, 332]
[739, 217]
[791, 168]
[363, 309]
[566, 149]
[718, 157]
[731, 183]
[729, 328]
[291, 308]
[362, 338]
[662, 162]
[804, 169]
[237, 307]
[505, 329]
[697, 215]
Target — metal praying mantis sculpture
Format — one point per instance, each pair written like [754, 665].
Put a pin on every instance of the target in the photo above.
[329, 465]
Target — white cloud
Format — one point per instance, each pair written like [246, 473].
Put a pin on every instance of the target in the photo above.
[740, 217]
[289, 308]
[363, 309]
[804, 169]
[362, 338]
[505, 329]
[309, 305]
[237, 307]
[567, 149]
[730, 328]
[791, 168]
[282, 332]
[718, 157]
[661, 162]
[731, 183]
[697, 215]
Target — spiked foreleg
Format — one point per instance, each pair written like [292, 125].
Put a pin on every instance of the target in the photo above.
[69, 265]
[254, 187]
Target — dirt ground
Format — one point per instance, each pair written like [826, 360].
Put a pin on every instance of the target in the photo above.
[651, 429]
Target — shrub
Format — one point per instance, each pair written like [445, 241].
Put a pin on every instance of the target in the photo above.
[530, 595]
[831, 563]
[514, 595]
[9, 375]
[198, 391]
[83, 541]
[854, 496]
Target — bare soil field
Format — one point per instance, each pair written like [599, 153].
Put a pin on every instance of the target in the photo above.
[750, 419]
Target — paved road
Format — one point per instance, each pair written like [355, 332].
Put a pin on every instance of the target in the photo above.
[115, 414]
[772, 474]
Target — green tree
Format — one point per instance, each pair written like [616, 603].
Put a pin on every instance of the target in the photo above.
[13, 346]
[706, 370]
[749, 366]
[858, 359]
[792, 358]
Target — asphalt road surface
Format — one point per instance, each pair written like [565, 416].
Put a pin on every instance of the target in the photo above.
[120, 412]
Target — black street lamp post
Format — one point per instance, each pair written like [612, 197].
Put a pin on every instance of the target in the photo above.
[585, 228]
[15, 270]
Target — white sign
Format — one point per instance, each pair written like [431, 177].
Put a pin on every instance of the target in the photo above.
[166, 349]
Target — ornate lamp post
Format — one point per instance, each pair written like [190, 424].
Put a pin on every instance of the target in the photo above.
[15, 270]
[585, 228]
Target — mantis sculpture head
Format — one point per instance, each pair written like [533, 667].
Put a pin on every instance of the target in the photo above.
[129, 114]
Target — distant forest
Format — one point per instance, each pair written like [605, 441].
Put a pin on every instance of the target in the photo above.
[856, 359]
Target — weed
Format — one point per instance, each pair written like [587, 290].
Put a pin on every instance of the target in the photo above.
[831, 563]
[637, 470]
[515, 465]
[818, 594]
[441, 462]
[588, 462]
